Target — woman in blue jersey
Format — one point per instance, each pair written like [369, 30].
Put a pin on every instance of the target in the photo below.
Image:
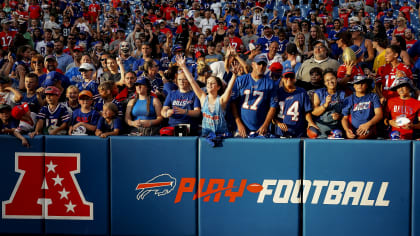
[214, 103]
[181, 106]
[143, 113]
[327, 105]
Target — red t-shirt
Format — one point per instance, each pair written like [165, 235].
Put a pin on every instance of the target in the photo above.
[167, 11]
[387, 75]
[93, 11]
[345, 17]
[409, 43]
[34, 11]
[22, 14]
[397, 107]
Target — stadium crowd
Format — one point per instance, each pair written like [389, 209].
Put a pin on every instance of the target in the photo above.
[242, 68]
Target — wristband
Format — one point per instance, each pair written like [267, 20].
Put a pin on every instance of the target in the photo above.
[186, 111]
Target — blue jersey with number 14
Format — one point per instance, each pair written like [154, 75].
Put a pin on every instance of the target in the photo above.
[292, 111]
[255, 99]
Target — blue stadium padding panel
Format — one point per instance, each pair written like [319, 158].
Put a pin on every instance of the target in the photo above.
[415, 227]
[10, 148]
[272, 161]
[146, 172]
[90, 216]
[358, 187]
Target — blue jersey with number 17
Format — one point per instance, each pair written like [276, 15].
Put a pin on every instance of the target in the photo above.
[292, 111]
[255, 99]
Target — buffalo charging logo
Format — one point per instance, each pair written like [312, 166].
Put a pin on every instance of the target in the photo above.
[47, 188]
[328, 192]
[161, 185]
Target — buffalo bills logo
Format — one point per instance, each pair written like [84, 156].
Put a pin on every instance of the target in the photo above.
[162, 185]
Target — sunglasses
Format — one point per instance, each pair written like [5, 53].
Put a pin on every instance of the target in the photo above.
[103, 59]
[38, 62]
[261, 63]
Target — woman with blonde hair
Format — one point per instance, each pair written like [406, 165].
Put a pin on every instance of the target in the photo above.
[302, 47]
[203, 72]
[401, 27]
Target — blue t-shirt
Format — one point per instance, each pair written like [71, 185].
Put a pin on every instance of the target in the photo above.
[255, 99]
[186, 100]
[91, 117]
[33, 102]
[100, 104]
[360, 109]
[335, 106]
[105, 127]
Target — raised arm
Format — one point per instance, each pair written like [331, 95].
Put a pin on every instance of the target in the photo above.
[180, 60]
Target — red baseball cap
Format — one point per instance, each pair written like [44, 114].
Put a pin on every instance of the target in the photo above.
[276, 67]
[167, 131]
[52, 90]
[19, 111]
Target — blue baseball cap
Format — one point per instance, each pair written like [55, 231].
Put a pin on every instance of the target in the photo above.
[143, 81]
[260, 58]
[288, 70]
[52, 78]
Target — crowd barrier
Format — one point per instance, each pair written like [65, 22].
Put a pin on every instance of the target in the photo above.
[184, 186]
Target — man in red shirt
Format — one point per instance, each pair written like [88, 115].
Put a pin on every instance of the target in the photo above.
[409, 38]
[34, 10]
[344, 15]
[170, 8]
[94, 11]
[6, 36]
[235, 41]
[23, 15]
[390, 71]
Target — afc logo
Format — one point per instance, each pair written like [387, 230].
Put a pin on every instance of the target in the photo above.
[47, 188]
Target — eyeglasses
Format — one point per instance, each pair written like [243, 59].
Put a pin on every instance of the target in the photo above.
[319, 47]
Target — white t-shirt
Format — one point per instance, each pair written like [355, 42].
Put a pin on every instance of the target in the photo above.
[206, 24]
[24, 127]
[216, 7]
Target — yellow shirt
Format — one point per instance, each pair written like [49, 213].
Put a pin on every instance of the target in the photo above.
[379, 61]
